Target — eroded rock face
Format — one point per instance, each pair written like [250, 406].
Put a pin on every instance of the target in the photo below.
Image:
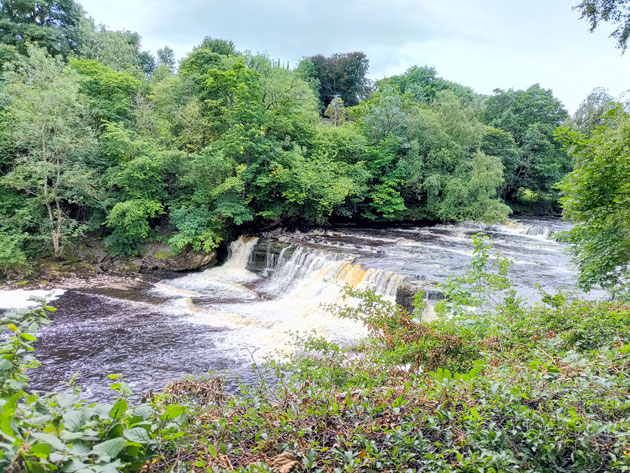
[266, 254]
[157, 257]
[407, 290]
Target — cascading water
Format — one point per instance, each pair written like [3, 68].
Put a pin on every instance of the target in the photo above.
[290, 299]
[270, 286]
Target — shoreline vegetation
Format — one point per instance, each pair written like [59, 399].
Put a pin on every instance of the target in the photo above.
[490, 385]
[110, 155]
[102, 142]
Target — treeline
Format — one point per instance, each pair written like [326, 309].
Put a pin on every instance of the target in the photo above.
[100, 139]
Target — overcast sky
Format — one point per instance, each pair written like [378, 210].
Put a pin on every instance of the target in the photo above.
[483, 44]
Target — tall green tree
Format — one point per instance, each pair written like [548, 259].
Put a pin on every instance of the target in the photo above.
[530, 116]
[343, 75]
[50, 24]
[118, 50]
[596, 198]
[448, 177]
[590, 113]
[52, 145]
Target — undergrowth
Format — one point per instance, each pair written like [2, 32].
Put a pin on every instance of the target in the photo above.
[489, 384]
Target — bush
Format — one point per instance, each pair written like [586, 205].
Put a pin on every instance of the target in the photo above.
[13, 259]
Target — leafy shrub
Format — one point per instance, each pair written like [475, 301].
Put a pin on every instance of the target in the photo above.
[61, 432]
[130, 221]
[12, 256]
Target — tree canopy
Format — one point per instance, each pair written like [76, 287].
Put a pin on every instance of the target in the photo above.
[616, 12]
[230, 139]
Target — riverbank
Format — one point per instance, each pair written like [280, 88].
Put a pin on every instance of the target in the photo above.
[246, 307]
[522, 388]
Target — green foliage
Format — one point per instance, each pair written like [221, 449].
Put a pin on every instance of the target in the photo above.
[13, 258]
[596, 198]
[62, 432]
[613, 11]
[336, 111]
[129, 219]
[423, 84]
[591, 112]
[448, 176]
[52, 145]
[342, 75]
[118, 50]
[109, 92]
[50, 24]
[530, 116]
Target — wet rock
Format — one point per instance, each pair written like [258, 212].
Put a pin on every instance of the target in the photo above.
[158, 257]
[408, 289]
[266, 254]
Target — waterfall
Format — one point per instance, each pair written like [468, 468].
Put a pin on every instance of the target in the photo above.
[227, 281]
[289, 295]
[530, 229]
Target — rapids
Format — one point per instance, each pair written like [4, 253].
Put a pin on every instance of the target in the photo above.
[269, 288]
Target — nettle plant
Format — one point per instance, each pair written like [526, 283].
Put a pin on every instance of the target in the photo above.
[62, 432]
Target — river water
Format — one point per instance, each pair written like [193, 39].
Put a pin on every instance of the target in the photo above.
[269, 288]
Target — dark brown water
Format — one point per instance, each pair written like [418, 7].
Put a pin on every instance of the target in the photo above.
[158, 331]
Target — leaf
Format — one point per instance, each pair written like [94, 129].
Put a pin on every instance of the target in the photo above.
[5, 364]
[212, 450]
[119, 409]
[50, 439]
[172, 411]
[144, 411]
[285, 462]
[110, 448]
[74, 420]
[29, 337]
[137, 434]
[40, 450]
[74, 466]
[66, 400]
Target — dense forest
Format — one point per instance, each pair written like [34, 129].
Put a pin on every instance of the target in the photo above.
[103, 141]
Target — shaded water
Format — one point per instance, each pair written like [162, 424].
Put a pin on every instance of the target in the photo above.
[158, 331]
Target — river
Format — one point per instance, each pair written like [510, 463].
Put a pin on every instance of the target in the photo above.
[154, 331]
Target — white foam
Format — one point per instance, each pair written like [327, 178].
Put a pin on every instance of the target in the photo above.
[23, 299]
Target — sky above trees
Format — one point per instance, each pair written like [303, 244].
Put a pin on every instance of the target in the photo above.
[484, 44]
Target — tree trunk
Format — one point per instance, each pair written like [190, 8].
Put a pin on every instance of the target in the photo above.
[55, 232]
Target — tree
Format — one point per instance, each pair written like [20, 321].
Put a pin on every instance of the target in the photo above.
[500, 143]
[224, 47]
[530, 116]
[616, 12]
[51, 143]
[118, 50]
[109, 93]
[596, 198]
[166, 57]
[590, 113]
[423, 83]
[342, 75]
[447, 176]
[50, 24]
